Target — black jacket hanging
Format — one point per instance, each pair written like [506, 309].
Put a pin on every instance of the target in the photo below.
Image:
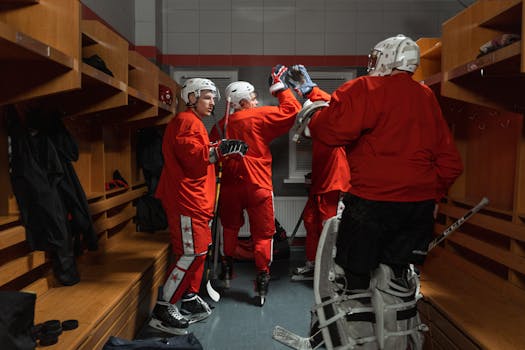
[50, 198]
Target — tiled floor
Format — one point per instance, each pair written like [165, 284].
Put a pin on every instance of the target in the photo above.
[238, 324]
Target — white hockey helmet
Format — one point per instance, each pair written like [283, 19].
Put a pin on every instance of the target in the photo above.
[238, 91]
[397, 52]
[196, 85]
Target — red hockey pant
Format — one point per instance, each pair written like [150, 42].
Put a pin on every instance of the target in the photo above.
[317, 210]
[258, 203]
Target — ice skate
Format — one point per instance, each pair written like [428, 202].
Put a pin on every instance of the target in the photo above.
[261, 287]
[194, 308]
[304, 273]
[167, 318]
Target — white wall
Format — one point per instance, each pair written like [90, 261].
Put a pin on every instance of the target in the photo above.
[272, 27]
[296, 27]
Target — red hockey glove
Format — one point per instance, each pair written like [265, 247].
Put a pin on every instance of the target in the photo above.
[277, 79]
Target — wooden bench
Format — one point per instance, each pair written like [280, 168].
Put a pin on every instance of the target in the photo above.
[119, 281]
[467, 304]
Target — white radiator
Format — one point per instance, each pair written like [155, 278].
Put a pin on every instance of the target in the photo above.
[287, 212]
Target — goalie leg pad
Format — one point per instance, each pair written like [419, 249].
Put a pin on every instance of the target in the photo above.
[343, 318]
[394, 303]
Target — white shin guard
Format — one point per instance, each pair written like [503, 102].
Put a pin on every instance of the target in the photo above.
[382, 317]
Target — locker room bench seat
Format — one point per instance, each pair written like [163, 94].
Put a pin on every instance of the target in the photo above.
[465, 310]
[114, 297]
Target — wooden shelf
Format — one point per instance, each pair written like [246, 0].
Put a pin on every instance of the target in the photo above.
[87, 40]
[19, 2]
[9, 219]
[507, 20]
[433, 80]
[430, 62]
[502, 63]
[494, 80]
[433, 52]
[472, 203]
[46, 69]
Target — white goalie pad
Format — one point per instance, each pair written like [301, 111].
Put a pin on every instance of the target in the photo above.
[382, 317]
[304, 116]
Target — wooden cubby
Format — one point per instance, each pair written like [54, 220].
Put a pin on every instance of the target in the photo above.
[429, 70]
[42, 46]
[164, 109]
[142, 87]
[495, 79]
[475, 280]
[39, 48]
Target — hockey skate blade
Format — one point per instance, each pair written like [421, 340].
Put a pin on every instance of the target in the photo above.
[157, 324]
[214, 295]
[260, 300]
[301, 278]
[290, 339]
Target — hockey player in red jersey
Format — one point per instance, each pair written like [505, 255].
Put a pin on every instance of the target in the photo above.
[330, 179]
[247, 184]
[187, 191]
[402, 159]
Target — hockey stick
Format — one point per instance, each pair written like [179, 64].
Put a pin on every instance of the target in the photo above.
[214, 295]
[484, 201]
[218, 191]
[296, 228]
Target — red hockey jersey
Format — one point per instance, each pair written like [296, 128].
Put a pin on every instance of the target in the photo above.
[257, 127]
[398, 144]
[187, 181]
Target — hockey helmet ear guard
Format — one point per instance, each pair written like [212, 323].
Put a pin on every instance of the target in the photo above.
[196, 86]
[397, 52]
[165, 95]
[238, 91]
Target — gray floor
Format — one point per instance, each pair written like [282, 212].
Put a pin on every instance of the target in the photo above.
[237, 323]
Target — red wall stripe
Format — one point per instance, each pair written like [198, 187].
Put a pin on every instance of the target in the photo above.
[251, 60]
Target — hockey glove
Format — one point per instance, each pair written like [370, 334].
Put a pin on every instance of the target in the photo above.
[277, 79]
[227, 148]
[299, 79]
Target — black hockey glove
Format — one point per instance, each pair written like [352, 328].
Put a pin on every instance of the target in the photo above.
[227, 148]
[277, 79]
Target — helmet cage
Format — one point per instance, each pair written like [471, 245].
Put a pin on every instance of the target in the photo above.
[197, 86]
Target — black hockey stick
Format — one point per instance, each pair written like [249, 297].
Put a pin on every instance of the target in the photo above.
[484, 201]
[296, 228]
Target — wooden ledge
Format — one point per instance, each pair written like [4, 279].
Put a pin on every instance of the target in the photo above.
[484, 308]
[116, 291]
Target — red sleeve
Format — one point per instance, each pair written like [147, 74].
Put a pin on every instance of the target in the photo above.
[192, 149]
[278, 120]
[345, 118]
[318, 95]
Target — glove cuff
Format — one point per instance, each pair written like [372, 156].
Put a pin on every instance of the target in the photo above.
[275, 88]
[214, 156]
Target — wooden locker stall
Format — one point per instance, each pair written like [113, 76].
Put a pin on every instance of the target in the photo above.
[474, 283]
[45, 48]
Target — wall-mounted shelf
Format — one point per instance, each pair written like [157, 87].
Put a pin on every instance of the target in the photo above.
[430, 61]
[496, 78]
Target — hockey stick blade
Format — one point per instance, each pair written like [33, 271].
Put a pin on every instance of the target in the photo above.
[214, 295]
[484, 201]
[290, 339]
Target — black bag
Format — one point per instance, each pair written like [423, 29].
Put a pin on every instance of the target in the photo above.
[150, 214]
[17, 312]
[181, 342]
[281, 247]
